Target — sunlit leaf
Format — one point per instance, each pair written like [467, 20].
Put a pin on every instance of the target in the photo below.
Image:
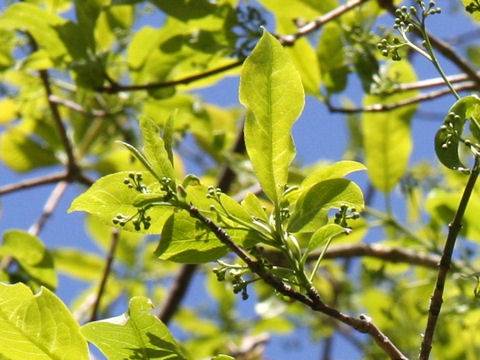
[38, 326]
[323, 235]
[109, 197]
[78, 263]
[137, 334]
[312, 206]
[387, 137]
[32, 257]
[447, 141]
[272, 92]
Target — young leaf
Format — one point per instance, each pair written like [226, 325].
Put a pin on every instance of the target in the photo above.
[155, 150]
[324, 236]
[387, 139]
[137, 334]
[336, 170]
[32, 257]
[447, 138]
[109, 197]
[185, 240]
[272, 92]
[78, 264]
[37, 326]
[312, 206]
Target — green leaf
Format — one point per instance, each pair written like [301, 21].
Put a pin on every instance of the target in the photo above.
[22, 153]
[186, 240]
[137, 334]
[109, 197]
[446, 144]
[332, 58]
[40, 23]
[271, 90]
[299, 9]
[387, 139]
[336, 170]
[32, 257]
[155, 150]
[253, 205]
[324, 235]
[78, 263]
[37, 326]
[312, 206]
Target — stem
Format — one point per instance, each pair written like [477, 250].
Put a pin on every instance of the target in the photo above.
[106, 273]
[453, 230]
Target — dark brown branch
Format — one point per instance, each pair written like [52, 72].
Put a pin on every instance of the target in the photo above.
[115, 88]
[414, 100]
[106, 273]
[77, 107]
[453, 230]
[363, 324]
[49, 207]
[286, 40]
[26, 184]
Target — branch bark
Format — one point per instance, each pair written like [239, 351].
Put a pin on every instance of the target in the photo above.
[437, 298]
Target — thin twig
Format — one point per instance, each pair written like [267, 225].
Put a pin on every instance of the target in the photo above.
[115, 87]
[77, 107]
[289, 40]
[106, 273]
[453, 230]
[363, 324]
[67, 146]
[414, 100]
[26, 184]
[428, 83]
[49, 207]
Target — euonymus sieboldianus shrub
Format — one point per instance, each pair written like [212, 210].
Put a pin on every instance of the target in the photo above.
[199, 223]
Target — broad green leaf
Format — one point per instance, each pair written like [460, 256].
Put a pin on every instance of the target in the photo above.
[32, 257]
[78, 263]
[168, 132]
[87, 13]
[155, 150]
[336, 170]
[40, 23]
[137, 334]
[446, 143]
[222, 357]
[38, 60]
[324, 235]
[112, 21]
[109, 197]
[332, 58]
[9, 110]
[253, 205]
[387, 139]
[38, 326]
[271, 90]
[186, 240]
[22, 153]
[312, 206]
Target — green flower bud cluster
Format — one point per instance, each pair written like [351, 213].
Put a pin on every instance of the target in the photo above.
[139, 219]
[233, 274]
[473, 6]
[345, 214]
[134, 181]
[449, 128]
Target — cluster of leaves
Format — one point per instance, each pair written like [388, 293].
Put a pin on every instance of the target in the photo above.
[270, 226]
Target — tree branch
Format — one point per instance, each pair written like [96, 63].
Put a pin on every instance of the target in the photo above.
[49, 207]
[106, 273]
[453, 230]
[289, 40]
[363, 324]
[26, 184]
[414, 100]
[185, 275]
[77, 107]
[115, 87]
